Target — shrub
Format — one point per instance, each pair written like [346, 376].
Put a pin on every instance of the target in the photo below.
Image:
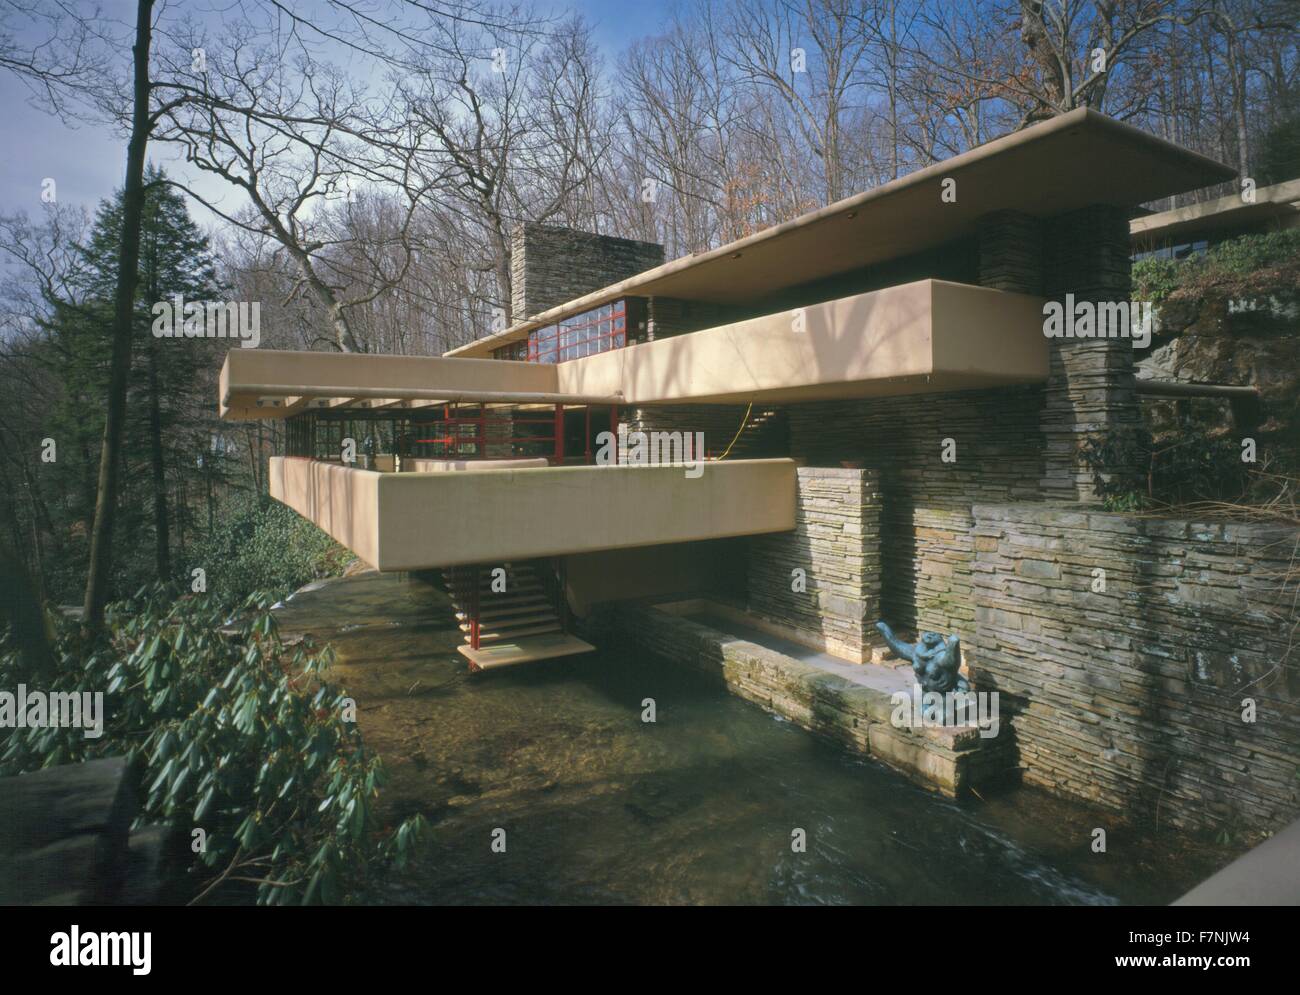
[1248, 267]
[261, 545]
[237, 735]
[1132, 471]
[1155, 279]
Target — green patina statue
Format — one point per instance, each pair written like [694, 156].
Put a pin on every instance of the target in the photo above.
[935, 661]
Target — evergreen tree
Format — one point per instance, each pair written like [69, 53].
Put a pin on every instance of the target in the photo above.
[169, 416]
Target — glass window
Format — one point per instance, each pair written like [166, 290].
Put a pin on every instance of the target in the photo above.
[586, 334]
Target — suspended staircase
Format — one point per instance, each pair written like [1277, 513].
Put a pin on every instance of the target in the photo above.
[766, 433]
[510, 613]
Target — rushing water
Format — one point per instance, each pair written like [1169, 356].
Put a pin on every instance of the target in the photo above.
[698, 807]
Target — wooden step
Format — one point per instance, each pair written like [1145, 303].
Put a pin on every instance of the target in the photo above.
[526, 650]
[519, 609]
[485, 590]
[493, 602]
[498, 635]
[511, 622]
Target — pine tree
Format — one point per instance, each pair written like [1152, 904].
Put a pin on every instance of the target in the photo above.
[166, 430]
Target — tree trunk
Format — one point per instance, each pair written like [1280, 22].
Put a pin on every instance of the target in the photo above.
[1243, 130]
[40, 523]
[162, 547]
[252, 459]
[1239, 83]
[207, 472]
[98, 575]
[181, 512]
[328, 300]
[23, 608]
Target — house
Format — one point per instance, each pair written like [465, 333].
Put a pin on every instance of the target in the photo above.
[899, 332]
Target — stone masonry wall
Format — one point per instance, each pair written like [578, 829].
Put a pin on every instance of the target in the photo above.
[550, 266]
[498, 428]
[926, 517]
[836, 542]
[1131, 696]
[669, 316]
[1011, 252]
[718, 422]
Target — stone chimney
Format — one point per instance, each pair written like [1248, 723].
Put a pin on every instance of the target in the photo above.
[550, 265]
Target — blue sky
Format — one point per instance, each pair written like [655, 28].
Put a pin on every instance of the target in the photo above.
[87, 162]
[618, 22]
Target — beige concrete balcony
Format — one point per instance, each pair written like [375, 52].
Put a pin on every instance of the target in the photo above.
[919, 337]
[926, 336]
[409, 521]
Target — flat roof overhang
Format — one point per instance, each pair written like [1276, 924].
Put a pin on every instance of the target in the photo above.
[1069, 162]
[1277, 204]
[268, 383]
[921, 337]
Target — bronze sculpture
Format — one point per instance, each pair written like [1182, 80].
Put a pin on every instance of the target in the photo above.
[936, 661]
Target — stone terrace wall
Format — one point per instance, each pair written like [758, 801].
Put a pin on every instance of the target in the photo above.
[857, 717]
[1132, 697]
[836, 542]
[926, 516]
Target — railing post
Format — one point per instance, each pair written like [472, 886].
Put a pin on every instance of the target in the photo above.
[559, 435]
[613, 430]
[474, 608]
[586, 436]
[561, 600]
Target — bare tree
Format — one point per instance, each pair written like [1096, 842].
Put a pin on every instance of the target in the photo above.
[293, 135]
[770, 48]
[98, 574]
[509, 132]
[1075, 48]
[680, 129]
[57, 53]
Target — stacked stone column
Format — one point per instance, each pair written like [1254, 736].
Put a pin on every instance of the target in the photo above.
[836, 545]
[550, 266]
[1090, 388]
[1011, 252]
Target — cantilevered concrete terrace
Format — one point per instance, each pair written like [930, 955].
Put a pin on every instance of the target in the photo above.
[1273, 208]
[409, 521]
[917, 338]
[924, 336]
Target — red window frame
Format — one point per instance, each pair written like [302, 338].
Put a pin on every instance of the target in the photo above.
[598, 330]
[468, 436]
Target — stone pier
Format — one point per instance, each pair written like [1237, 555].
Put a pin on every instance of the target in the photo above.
[834, 604]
